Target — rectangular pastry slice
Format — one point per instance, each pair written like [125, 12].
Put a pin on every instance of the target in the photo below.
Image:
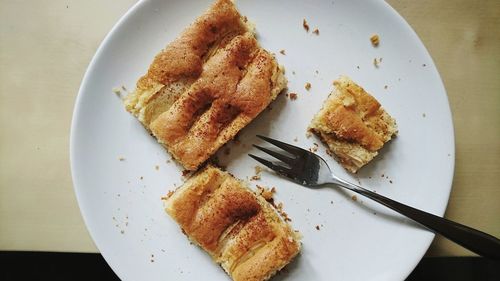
[206, 85]
[240, 230]
[353, 125]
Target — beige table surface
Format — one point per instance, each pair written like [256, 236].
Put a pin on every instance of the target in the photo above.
[46, 45]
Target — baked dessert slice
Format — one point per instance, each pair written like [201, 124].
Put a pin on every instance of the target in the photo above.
[353, 125]
[239, 229]
[206, 85]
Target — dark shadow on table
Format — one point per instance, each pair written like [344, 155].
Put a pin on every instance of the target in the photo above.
[89, 267]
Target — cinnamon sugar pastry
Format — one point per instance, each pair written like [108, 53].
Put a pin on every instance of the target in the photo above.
[353, 125]
[206, 85]
[239, 229]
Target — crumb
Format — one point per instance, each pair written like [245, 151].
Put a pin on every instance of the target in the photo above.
[168, 161]
[357, 66]
[258, 170]
[282, 52]
[424, 65]
[121, 158]
[266, 193]
[331, 202]
[423, 115]
[152, 260]
[390, 181]
[157, 167]
[308, 134]
[382, 175]
[295, 139]
[305, 25]
[375, 40]
[282, 213]
[317, 72]
[376, 62]
[122, 231]
[385, 87]
[307, 86]
[185, 173]
[141, 178]
[123, 88]
[354, 198]
[317, 227]
[117, 91]
[293, 96]
[255, 178]
[169, 194]
[293, 72]
[316, 31]
[314, 148]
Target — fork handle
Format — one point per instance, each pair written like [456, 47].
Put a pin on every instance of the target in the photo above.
[477, 241]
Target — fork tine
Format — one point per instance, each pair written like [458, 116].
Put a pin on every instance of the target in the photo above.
[277, 168]
[297, 151]
[277, 155]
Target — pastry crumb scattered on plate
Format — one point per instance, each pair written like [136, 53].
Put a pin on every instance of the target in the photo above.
[375, 39]
[305, 25]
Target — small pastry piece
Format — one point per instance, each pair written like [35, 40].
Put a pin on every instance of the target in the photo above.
[206, 85]
[240, 230]
[353, 125]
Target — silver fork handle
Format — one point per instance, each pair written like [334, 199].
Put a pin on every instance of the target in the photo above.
[477, 241]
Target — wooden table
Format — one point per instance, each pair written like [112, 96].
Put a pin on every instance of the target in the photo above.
[46, 45]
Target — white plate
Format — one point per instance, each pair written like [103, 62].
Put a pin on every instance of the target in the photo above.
[120, 200]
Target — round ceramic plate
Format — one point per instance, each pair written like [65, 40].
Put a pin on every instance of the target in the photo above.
[120, 171]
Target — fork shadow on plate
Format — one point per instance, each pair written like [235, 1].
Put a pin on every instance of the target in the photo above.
[396, 218]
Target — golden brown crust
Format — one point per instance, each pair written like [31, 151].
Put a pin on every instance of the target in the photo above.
[206, 85]
[240, 230]
[353, 124]
[184, 56]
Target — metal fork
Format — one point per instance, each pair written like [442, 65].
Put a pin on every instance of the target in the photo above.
[310, 170]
